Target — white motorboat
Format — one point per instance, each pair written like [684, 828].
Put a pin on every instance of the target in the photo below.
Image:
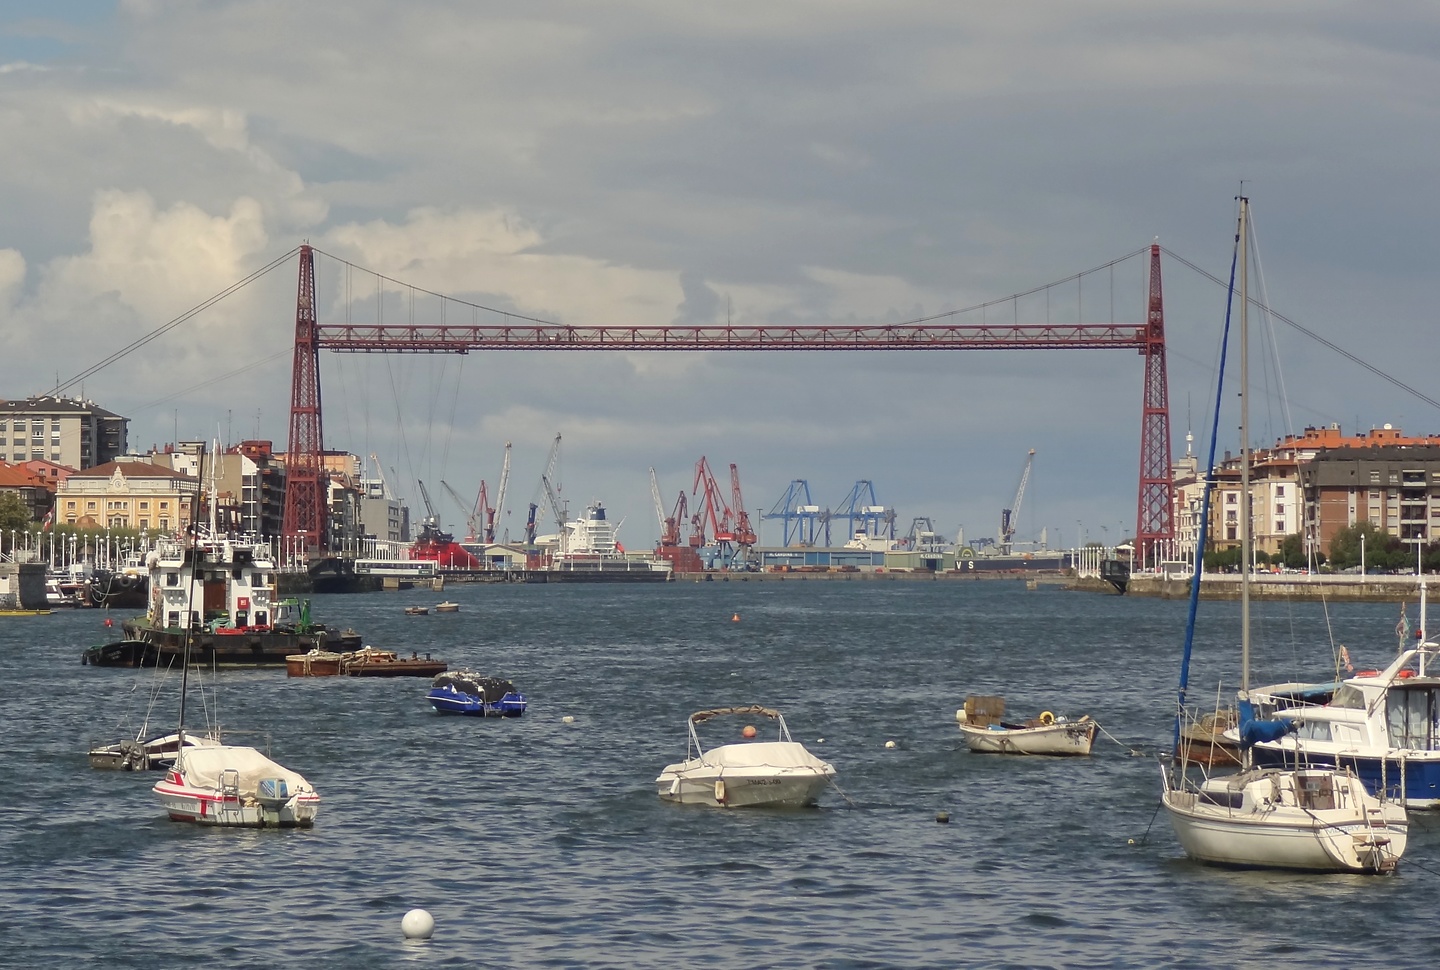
[1315, 819]
[982, 723]
[1379, 724]
[779, 773]
[235, 786]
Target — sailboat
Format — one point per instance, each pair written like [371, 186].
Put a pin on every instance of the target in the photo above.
[224, 784]
[1318, 819]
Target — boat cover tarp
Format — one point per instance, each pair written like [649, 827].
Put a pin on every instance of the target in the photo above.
[491, 689]
[1254, 730]
[204, 765]
[771, 754]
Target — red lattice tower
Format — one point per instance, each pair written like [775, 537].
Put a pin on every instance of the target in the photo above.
[306, 484]
[1155, 525]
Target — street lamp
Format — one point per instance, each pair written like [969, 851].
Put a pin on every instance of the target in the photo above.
[1362, 555]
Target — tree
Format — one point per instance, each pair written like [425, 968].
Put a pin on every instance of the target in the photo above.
[14, 514]
[1226, 560]
[1292, 553]
[1382, 550]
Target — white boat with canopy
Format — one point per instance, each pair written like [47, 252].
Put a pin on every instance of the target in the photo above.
[779, 773]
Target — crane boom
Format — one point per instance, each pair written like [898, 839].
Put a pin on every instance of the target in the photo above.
[430, 517]
[499, 510]
[1009, 517]
[655, 496]
[470, 522]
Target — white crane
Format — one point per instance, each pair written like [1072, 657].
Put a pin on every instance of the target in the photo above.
[385, 492]
[548, 491]
[659, 502]
[1009, 517]
[500, 495]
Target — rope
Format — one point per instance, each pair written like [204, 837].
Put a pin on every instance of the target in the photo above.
[850, 801]
[1145, 838]
[1134, 751]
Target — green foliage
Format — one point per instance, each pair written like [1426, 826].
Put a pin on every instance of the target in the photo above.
[1223, 559]
[1382, 551]
[1292, 553]
[14, 514]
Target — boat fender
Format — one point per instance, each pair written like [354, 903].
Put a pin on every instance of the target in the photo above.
[1046, 717]
[720, 790]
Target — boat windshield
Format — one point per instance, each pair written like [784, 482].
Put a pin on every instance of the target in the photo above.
[1349, 696]
[1410, 718]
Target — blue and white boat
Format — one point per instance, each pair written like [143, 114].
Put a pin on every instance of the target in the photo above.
[469, 693]
[1382, 725]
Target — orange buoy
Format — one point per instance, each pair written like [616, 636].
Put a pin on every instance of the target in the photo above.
[735, 618]
[749, 731]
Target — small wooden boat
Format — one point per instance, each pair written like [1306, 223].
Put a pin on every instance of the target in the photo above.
[416, 610]
[1212, 740]
[982, 721]
[447, 607]
[314, 663]
[370, 662]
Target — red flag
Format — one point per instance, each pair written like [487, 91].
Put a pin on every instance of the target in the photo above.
[49, 519]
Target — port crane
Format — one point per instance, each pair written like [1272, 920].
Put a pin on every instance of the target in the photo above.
[499, 510]
[669, 524]
[713, 511]
[431, 519]
[472, 524]
[548, 491]
[1009, 517]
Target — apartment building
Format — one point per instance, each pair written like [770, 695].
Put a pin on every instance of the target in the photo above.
[67, 431]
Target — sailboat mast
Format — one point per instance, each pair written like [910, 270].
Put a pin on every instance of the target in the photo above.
[1245, 537]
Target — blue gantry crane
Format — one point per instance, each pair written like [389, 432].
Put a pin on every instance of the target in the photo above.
[803, 519]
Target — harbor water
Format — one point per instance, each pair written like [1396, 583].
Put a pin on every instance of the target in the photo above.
[535, 842]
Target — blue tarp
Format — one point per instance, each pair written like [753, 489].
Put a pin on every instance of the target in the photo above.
[1253, 730]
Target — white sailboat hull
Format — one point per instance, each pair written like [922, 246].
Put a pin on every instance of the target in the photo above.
[1266, 828]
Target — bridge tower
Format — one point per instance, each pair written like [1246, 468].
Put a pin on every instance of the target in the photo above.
[1155, 525]
[306, 484]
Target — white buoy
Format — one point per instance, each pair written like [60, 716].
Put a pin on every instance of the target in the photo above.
[568, 719]
[891, 744]
[417, 925]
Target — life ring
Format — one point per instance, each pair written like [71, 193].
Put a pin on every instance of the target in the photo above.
[1047, 718]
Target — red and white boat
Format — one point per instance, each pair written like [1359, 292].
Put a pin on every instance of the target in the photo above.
[236, 786]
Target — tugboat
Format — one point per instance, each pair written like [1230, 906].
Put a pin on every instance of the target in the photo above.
[239, 622]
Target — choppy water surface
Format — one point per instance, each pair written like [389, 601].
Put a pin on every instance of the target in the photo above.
[536, 843]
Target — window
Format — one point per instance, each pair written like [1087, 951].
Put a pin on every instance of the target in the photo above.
[144, 523]
[90, 506]
[70, 505]
[144, 506]
[1230, 498]
[164, 525]
[1279, 491]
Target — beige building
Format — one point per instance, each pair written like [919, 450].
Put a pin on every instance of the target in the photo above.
[126, 495]
[67, 431]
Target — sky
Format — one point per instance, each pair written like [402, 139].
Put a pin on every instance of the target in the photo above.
[644, 162]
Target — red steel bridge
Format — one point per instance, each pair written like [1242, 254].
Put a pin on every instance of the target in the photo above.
[306, 488]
